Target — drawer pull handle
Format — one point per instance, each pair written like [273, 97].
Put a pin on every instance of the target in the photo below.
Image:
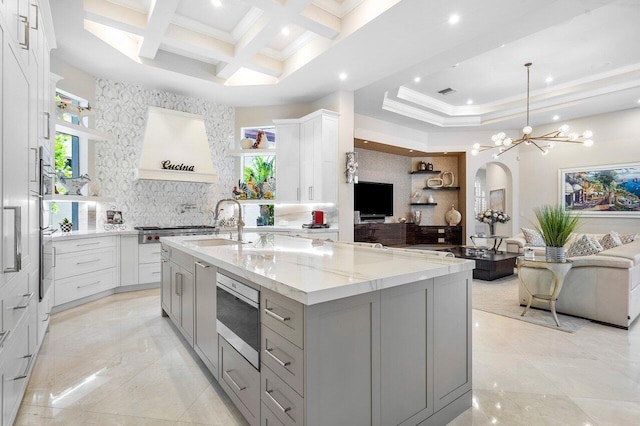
[233, 382]
[37, 16]
[88, 261]
[17, 239]
[202, 265]
[25, 21]
[26, 370]
[269, 311]
[88, 244]
[275, 401]
[89, 285]
[269, 352]
[29, 296]
[3, 336]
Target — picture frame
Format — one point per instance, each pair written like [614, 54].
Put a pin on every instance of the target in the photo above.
[496, 199]
[114, 216]
[601, 191]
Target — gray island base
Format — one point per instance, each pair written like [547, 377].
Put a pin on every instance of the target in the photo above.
[349, 335]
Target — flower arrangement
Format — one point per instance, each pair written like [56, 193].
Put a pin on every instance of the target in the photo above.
[493, 216]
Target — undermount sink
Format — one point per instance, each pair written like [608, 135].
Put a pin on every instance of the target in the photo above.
[214, 242]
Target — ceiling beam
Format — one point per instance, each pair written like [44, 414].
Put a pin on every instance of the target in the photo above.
[158, 20]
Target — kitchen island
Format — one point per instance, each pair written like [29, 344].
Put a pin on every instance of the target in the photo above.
[348, 334]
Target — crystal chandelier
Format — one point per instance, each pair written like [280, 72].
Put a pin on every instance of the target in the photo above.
[544, 142]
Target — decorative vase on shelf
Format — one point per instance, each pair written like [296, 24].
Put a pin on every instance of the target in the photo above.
[453, 216]
[246, 143]
[417, 217]
[431, 200]
[66, 226]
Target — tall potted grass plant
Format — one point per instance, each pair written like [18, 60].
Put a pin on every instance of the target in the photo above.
[555, 225]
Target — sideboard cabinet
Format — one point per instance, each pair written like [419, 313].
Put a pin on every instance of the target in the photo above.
[401, 234]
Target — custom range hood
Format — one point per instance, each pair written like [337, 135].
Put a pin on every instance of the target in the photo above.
[175, 147]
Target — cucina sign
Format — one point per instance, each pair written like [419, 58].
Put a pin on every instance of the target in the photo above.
[166, 165]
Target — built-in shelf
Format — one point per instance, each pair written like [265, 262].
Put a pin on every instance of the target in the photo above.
[81, 131]
[442, 188]
[77, 198]
[424, 204]
[265, 151]
[425, 172]
[258, 201]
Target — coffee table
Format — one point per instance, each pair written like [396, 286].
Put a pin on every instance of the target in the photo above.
[489, 266]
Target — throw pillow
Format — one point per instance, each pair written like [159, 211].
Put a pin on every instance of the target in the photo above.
[533, 237]
[627, 238]
[610, 240]
[585, 246]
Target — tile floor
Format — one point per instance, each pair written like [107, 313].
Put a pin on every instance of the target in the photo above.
[116, 361]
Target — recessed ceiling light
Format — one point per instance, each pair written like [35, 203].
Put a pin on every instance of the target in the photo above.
[639, 101]
[502, 45]
[216, 3]
[416, 80]
[365, 141]
[410, 150]
[556, 117]
[548, 79]
[342, 76]
[470, 102]
[455, 65]
[454, 19]
[286, 31]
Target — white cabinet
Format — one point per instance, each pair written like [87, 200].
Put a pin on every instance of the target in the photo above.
[287, 161]
[307, 158]
[84, 267]
[128, 260]
[149, 269]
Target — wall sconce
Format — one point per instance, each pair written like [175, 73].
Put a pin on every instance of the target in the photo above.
[352, 167]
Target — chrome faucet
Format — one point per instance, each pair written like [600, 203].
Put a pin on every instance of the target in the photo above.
[240, 222]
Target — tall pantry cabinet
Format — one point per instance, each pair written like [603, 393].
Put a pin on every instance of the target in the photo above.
[26, 37]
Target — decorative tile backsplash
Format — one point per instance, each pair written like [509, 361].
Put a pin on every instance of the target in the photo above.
[121, 112]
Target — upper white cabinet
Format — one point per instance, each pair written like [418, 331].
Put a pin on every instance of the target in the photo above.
[288, 161]
[307, 158]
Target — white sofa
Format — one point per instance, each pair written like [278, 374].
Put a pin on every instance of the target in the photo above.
[604, 287]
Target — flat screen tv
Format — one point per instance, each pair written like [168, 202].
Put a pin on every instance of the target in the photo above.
[373, 199]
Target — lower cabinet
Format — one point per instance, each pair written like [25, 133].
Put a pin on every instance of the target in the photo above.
[182, 300]
[241, 381]
[205, 341]
[267, 418]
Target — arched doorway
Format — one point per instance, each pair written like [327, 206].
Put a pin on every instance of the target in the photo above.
[493, 189]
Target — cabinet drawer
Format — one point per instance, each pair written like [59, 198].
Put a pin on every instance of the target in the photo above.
[15, 298]
[70, 246]
[283, 401]
[71, 264]
[282, 315]
[149, 253]
[149, 273]
[17, 363]
[240, 381]
[267, 418]
[84, 285]
[284, 358]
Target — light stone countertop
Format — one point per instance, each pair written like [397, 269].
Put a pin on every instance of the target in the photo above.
[313, 271]
[101, 232]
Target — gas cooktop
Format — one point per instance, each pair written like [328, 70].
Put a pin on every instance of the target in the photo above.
[152, 234]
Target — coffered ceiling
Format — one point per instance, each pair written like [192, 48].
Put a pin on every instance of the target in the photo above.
[395, 54]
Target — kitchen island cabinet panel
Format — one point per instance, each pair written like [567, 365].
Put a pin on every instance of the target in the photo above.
[165, 292]
[282, 315]
[128, 260]
[407, 352]
[241, 381]
[182, 299]
[452, 338]
[206, 336]
[342, 362]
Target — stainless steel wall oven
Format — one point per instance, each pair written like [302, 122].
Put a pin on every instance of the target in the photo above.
[238, 317]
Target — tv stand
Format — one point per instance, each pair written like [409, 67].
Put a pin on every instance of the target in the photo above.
[405, 234]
